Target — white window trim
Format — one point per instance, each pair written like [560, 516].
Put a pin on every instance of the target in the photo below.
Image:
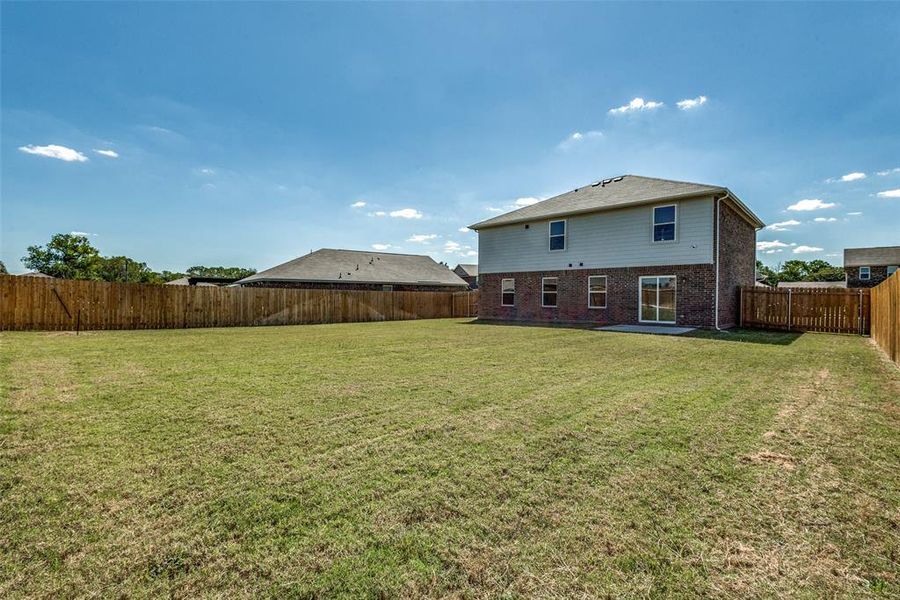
[513, 279]
[605, 290]
[653, 225]
[640, 299]
[868, 273]
[565, 235]
[543, 279]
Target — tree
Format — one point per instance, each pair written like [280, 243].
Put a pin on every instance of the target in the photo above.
[768, 275]
[124, 269]
[233, 272]
[67, 256]
[3, 270]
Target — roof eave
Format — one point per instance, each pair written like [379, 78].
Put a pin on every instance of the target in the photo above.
[370, 282]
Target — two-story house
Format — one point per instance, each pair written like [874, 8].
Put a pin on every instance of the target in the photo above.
[625, 250]
[867, 267]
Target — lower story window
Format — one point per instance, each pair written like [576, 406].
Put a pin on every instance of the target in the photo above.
[597, 291]
[507, 292]
[865, 273]
[891, 270]
[549, 287]
[387, 288]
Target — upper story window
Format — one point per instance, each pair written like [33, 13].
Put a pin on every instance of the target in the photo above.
[507, 292]
[865, 273]
[664, 223]
[557, 235]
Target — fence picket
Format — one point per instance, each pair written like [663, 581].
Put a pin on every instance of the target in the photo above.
[32, 304]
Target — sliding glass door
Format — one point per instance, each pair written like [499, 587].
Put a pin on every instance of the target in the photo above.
[657, 299]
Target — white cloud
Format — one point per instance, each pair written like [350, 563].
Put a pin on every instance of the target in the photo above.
[806, 249]
[107, 153]
[54, 151]
[770, 245]
[887, 172]
[636, 105]
[824, 219]
[358, 204]
[772, 251]
[84, 233]
[810, 204]
[206, 171]
[855, 176]
[520, 202]
[471, 253]
[577, 137]
[783, 225]
[494, 209]
[853, 214]
[381, 246]
[451, 246]
[422, 238]
[407, 213]
[378, 213]
[689, 103]
[889, 194]
[464, 230]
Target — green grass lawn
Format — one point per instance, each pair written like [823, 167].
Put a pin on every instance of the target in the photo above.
[441, 458]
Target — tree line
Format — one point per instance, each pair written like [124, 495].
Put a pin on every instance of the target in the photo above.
[71, 256]
[799, 270]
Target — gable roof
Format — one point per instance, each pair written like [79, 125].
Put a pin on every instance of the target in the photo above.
[618, 192]
[469, 270]
[868, 257]
[349, 266]
[812, 284]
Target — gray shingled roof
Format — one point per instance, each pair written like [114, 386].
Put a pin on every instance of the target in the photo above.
[470, 270]
[872, 257]
[812, 284]
[349, 266]
[617, 192]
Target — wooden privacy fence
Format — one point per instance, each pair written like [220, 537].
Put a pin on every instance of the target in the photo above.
[831, 310]
[31, 303]
[886, 316]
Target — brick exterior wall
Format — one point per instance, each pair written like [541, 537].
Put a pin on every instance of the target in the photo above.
[878, 274]
[737, 262]
[354, 285]
[694, 297]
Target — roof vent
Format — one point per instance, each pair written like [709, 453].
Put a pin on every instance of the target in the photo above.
[619, 178]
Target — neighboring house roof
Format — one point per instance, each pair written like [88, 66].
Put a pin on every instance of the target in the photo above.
[618, 192]
[812, 284]
[349, 266]
[203, 281]
[36, 274]
[869, 257]
[467, 270]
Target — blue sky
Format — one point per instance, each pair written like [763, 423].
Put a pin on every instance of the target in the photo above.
[248, 134]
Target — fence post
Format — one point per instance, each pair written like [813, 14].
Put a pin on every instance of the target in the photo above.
[859, 312]
[789, 309]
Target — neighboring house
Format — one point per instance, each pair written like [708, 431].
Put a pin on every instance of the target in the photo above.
[811, 284]
[624, 250]
[468, 273]
[203, 281]
[867, 267]
[359, 270]
[37, 274]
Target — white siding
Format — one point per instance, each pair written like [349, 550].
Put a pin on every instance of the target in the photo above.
[614, 238]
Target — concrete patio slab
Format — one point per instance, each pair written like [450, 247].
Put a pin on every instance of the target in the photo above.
[657, 329]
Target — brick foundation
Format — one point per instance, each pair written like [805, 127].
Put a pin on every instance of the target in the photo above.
[694, 297]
